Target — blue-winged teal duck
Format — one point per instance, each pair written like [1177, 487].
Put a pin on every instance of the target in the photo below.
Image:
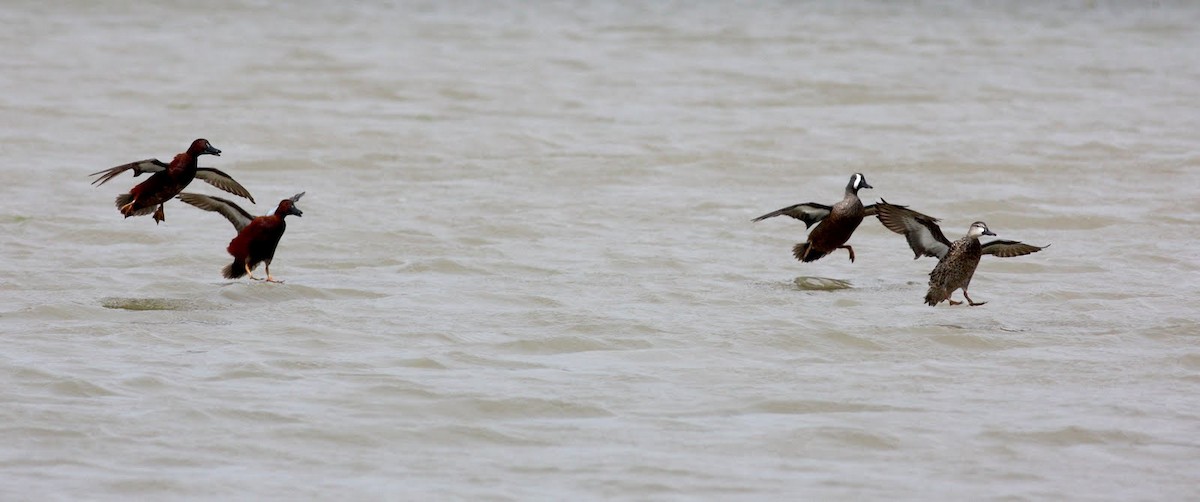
[956, 260]
[168, 180]
[257, 238]
[837, 223]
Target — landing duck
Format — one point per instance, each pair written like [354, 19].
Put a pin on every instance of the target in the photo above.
[956, 260]
[835, 224]
[168, 180]
[257, 238]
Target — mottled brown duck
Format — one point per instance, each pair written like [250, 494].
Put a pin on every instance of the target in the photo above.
[956, 260]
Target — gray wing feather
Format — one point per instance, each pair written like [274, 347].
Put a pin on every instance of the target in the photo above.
[232, 212]
[1009, 249]
[139, 167]
[219, 179]
[809, 212]
[922, 231]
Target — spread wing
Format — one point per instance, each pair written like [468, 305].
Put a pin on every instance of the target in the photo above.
[921, 230]
[232, 212]
[1009, 249]
[809, 212]
[139, 167]
[219, 179]
[870, 210]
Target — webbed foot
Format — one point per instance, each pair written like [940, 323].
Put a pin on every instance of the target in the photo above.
[971, 302]
[250, 274]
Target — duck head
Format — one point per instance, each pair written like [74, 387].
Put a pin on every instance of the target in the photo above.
[978, 229]
[288, 206]
[857, 182]
[202, 147]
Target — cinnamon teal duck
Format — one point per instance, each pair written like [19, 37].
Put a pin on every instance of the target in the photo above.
[257, 238]
[168, 180]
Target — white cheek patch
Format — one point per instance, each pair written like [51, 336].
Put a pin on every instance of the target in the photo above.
[858, 181]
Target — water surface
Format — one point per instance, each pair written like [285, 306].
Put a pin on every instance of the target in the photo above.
[526, 268]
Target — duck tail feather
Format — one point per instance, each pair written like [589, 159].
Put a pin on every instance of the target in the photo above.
[934, 297]
[804, 252]
[234, 270]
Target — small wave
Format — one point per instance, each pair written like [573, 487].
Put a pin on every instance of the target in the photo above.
[258, 291]
[1075, 435]
[570, 344]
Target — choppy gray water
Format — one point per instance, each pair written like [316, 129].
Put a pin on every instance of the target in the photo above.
[526, 269]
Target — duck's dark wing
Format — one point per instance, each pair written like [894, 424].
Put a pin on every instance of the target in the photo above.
[1009, 249]
[232, 212]
[219, 179]
[921, 230]
[809, 212]
[139, 167]
[870, 210]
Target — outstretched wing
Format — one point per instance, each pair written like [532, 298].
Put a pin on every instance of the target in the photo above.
[870, 210]
[1009, 249]
[809, 212]
[219, 179]
[921, 230]
[139, 167]
[232, 212]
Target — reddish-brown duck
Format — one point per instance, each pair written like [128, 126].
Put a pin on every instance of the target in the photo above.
[168, 180]
[257, 238]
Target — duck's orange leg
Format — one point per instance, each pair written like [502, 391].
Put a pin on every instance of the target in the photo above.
[850, 249]
[969, 302]
[249, 273]
[269, 278]
[158, 215]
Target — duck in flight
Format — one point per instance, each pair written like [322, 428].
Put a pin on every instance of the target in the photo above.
[835, 224]
[168, 180]
[257, 238]
[956, 260]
